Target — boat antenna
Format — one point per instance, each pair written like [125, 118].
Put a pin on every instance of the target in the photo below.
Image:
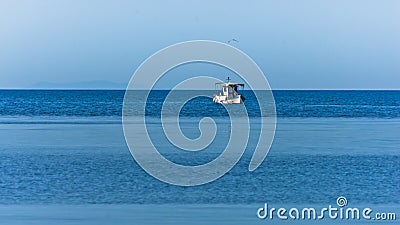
[228, 79]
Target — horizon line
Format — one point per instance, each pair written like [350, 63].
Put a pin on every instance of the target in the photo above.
[118, 89]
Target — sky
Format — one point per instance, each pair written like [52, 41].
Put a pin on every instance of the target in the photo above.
[297, 44]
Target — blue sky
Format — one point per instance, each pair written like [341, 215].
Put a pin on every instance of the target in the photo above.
[298, 44]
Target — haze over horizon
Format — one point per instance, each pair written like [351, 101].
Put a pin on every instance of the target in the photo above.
[298, 45]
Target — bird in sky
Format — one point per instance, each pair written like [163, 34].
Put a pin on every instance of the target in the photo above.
[232, 40]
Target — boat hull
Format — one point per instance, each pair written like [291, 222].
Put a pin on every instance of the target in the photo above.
[221, 99]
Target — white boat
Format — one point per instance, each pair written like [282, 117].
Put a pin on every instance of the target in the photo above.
[228, 93]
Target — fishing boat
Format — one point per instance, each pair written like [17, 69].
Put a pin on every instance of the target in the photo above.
[228, 93]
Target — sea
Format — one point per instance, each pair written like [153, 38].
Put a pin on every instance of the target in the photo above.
[64, 159]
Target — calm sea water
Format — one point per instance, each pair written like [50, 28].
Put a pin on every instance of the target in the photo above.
[67, 147]
[348, 104]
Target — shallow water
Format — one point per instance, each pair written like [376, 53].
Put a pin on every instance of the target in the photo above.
[155, 214]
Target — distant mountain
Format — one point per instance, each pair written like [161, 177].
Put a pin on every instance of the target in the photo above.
[96, 84]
